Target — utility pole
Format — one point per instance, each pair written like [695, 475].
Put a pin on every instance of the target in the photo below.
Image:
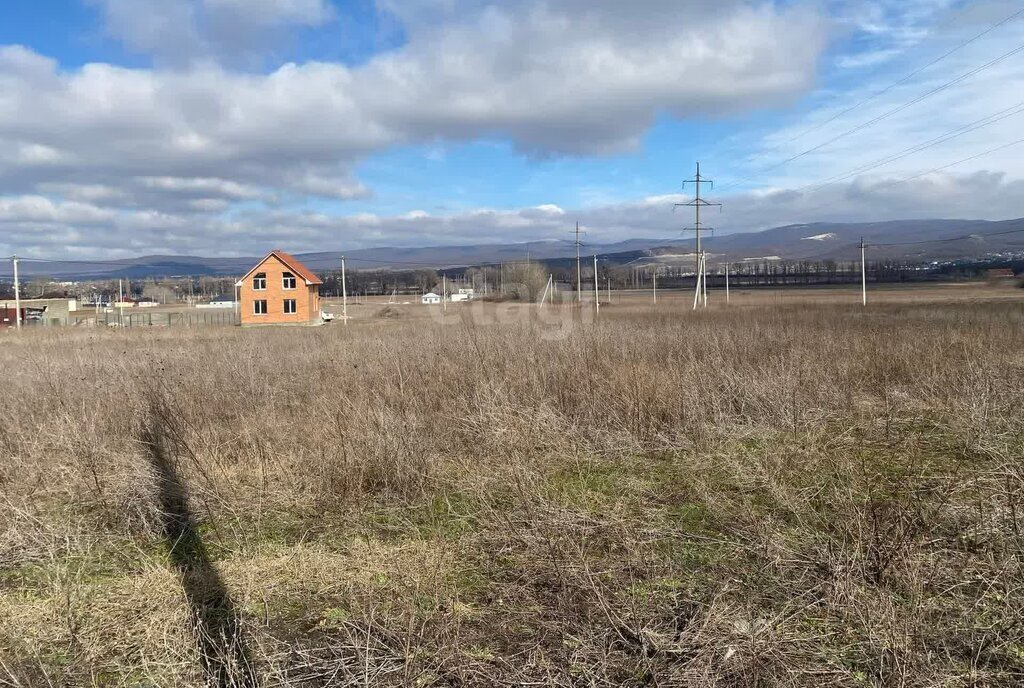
[444, 292]
[696, 204]
[547, 290]
[120, 298]
[700, 270]
[654, 284]
[727, 284]
[579, 275]
[608, 280]
[863, 274]
[704, 276]
[344, 293]
[17, 295]
[597, 295]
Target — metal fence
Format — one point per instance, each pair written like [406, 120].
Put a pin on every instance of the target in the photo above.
[167, 319]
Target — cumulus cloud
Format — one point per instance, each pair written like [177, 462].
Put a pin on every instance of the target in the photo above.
[342, 187]
[589, 77]
[159, 27]
[195, 155]
[33, 224]
[576, 77]
[180, 31]
[41, 210]
[272, 12]
[205, 186]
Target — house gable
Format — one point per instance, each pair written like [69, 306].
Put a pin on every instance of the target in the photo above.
[287, 260]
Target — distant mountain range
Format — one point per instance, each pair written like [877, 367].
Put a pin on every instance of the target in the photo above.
[913, 240]
[917, 240]
[392, 258]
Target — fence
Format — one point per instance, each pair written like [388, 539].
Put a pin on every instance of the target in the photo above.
[167, 319]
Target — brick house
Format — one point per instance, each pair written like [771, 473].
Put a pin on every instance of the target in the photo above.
[279, 290]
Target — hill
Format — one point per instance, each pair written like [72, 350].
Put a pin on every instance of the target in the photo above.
[912, 240]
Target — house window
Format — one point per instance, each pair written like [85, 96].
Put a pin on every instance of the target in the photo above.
[259, 307]
[289, 306]
[259, 282]
[288, 281]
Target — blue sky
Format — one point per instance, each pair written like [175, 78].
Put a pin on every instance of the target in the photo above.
[229, 126]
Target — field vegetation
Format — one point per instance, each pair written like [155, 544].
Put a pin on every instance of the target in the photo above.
[789, 495]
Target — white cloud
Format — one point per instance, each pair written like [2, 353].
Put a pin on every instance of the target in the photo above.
[867, 59]
[180, 31]
[160, 27]
[196, 156]
[272, 12]
[39, 209]
[894, 128]
[171, 138]
[205, 186]
[32, 154]
[342, 187]
[34, 224]
[209, 205]
[587, 77]
[91, 193]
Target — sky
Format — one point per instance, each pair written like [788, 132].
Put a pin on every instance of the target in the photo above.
[230, 127]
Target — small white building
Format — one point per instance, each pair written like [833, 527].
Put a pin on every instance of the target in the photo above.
[430, 298]
[219, 302]
[464, 295]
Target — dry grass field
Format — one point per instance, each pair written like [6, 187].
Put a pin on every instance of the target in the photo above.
[792, 491]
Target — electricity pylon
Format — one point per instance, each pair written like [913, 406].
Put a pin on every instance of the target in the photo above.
[697, 203]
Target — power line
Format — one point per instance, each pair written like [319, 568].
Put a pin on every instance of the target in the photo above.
[955, 18]
[829, 204]
[950, 239]
[958, 162]
[948, 136]
[908, 77]
[883, 116]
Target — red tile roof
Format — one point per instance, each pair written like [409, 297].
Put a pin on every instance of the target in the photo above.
[291, 262]
[296, 267]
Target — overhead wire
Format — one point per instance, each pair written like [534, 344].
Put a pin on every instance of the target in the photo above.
[955, 18]
[910, 76]
[917, 148]
[878, 118]
[964, 237]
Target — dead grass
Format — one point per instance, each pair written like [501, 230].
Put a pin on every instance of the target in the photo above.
[779, 495]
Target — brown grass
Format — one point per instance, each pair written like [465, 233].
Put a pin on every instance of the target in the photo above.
[757, 496]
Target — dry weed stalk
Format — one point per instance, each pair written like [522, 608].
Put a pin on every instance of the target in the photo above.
[755, 497]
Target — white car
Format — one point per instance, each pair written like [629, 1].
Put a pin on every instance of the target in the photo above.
[326, 317]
